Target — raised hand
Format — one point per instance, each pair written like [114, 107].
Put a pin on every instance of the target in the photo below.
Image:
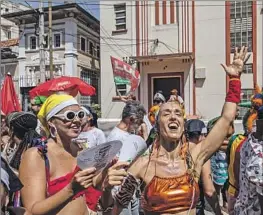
[115, 175]
[240, 58]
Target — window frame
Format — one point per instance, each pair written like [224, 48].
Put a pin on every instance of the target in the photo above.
[9, 34]
[248, 70]
[93, 78]
[98, 51]
[122, 92]
[85, 39]
[93, 48]
[240, 23]
[124, 24]
[60, 40]
[29, 42]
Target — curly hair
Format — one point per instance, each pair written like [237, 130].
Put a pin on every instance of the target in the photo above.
[133, 108]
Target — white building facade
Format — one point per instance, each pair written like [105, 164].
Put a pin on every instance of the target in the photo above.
[180, 44]
[9, 40]
[76, 48]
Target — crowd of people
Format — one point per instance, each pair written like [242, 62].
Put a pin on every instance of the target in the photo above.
[186, 168]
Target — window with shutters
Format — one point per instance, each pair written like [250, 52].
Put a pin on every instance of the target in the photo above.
[57, 40]
[33, 42]
[120, 16]
[247, 69]
[91, 48]
[92, 78]
[9, 35]
[83, 44]
[241, 24]
[98, 51]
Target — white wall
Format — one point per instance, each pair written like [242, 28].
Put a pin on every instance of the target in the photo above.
[210, 52]
[116, 48]
[10, 7]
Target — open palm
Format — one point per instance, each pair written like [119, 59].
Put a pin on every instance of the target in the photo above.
[240, 58]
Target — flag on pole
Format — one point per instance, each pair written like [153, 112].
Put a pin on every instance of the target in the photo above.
[125, 74]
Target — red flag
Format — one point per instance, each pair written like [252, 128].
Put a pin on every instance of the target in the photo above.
[9, 99]
[125, 74]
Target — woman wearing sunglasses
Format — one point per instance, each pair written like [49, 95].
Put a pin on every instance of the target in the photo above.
[52, 182]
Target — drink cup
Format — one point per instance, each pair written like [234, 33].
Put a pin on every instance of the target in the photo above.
[82, 142]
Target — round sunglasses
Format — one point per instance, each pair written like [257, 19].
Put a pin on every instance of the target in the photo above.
[71, 115]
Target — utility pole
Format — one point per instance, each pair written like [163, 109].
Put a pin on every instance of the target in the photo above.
[41, 43]
[50, 39]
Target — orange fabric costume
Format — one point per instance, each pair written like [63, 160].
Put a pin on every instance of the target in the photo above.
[153, 113]
[171, 194]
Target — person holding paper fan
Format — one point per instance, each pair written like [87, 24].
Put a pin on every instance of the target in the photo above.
[53, 184]
[132, 119]
[172, 171]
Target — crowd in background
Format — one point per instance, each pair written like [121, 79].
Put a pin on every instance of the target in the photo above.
[187, 168]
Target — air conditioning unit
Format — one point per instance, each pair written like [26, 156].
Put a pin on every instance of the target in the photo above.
[200, 73]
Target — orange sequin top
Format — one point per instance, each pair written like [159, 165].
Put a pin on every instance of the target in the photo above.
[171, 194]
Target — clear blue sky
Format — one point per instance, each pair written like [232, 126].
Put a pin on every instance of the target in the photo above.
[92, 6]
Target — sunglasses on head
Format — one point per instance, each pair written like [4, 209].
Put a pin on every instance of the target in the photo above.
[71, 115]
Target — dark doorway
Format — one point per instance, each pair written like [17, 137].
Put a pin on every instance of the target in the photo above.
[166, 84]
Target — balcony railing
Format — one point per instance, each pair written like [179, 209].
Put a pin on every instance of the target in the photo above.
[28, 81]
[33, 80]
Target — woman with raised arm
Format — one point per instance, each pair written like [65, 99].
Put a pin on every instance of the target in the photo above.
[171, 172]
[52, 182]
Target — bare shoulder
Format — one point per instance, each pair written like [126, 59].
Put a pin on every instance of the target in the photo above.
[32, 157]
[139, 167]
[32, 153]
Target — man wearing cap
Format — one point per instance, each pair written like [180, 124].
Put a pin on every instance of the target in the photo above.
[196, 132]
[36, 104]
[158, 98]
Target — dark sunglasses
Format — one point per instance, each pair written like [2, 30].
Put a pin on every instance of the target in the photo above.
[158, 101]
[71, 115]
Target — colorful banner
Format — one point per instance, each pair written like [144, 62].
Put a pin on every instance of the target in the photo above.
[124, 74]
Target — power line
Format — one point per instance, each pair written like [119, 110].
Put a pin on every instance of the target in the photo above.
[105, 32]
[140, 5]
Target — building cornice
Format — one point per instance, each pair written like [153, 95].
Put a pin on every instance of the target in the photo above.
[57, 10]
